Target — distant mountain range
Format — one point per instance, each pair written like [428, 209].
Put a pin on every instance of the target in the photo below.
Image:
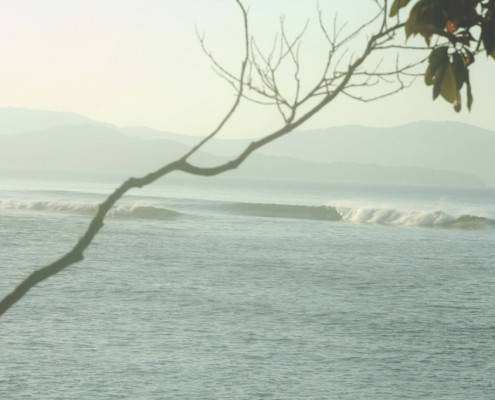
[439, 153]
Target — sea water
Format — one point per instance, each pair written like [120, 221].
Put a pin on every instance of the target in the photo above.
[222, 288]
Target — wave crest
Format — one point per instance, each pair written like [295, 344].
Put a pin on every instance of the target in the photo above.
[136, 210]
[359, 215]
[362, 215]
[436, 218]
[394, 217]
[285, 211]
[143, 212]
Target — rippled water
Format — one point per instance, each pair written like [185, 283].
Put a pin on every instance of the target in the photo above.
[219, 302]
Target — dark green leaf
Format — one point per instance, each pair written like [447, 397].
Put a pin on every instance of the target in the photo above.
[448, 89]
[438, 81]
[429, 74]
[458, 103]
[397, 5]
[469, 93]
[437, 58]
[488, 36]
[460, 70]
[426, 18]
[456, 9]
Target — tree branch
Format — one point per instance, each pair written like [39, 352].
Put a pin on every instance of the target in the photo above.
[326, 90]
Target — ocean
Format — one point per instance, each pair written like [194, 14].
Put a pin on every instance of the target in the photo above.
[223, 288]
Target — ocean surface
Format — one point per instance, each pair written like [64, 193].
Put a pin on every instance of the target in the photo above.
[218, 288]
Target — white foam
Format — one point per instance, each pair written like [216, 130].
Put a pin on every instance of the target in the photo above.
[46, 205]
[135, 210]
[388, 216]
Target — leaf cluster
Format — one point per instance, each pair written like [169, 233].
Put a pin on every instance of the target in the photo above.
[465, 27]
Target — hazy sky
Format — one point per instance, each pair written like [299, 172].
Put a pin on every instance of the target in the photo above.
[138, 62]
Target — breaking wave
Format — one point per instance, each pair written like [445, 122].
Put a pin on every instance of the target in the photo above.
[136, 210]
[438, 218]
[382, 216]
[285, 211]
[359, 215]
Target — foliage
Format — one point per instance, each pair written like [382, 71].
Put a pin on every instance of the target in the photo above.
[461, 28]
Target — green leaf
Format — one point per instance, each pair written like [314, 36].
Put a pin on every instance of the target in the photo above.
[397, 5]
[439, 74]
[469, 93]
[448, 89]
[458, 103]
[457, 9]
[488, 36]
[460, 70]
[426, 18]
[437, 58]
[445, 84]
[429, 74]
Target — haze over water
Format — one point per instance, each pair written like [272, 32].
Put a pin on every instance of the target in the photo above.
[359, 267]
[250, 289]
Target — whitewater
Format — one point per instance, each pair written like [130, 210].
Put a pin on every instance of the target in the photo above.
[146, 210]
[236, 288]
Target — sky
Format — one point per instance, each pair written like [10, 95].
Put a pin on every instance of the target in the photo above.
[140, 63]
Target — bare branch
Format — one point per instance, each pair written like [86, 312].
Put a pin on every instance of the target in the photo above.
[264, 69]
[239, 94]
